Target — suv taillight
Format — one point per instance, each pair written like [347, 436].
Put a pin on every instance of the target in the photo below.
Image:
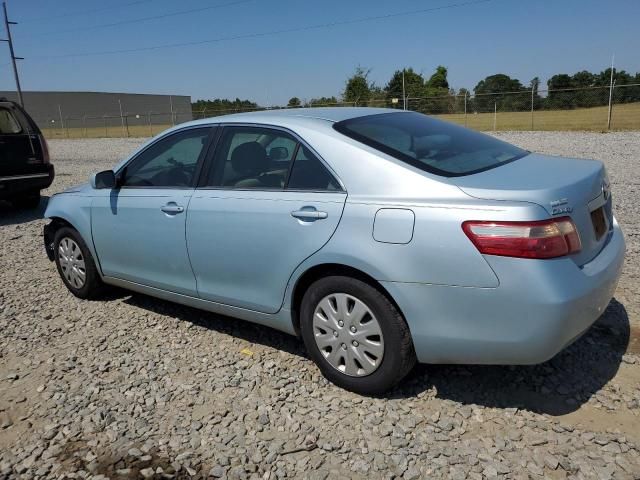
[552, 238]
[45, 149]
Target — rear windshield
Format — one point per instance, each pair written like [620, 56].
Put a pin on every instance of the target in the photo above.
[429, 144]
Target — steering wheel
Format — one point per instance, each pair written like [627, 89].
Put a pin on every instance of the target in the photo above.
[178, 176]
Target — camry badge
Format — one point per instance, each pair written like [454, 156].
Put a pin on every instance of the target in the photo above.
[557, 207]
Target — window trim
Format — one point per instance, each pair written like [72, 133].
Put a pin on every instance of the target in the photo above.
[209, 163]
[211, 134]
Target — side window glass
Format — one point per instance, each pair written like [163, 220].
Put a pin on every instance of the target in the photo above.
[170, 162]
[8, 123]
[253, 158]
[309, 173]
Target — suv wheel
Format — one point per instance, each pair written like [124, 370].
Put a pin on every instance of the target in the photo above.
[355, 335]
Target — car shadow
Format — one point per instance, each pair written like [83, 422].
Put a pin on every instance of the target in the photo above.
[556, 387]
[250, 332]
[12, 215]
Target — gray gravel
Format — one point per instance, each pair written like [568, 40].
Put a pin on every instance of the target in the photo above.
[134, 387]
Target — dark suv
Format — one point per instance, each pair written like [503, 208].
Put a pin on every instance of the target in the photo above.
[24, 157]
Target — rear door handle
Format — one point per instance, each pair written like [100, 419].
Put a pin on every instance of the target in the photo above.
[309, 214]
[172, 208]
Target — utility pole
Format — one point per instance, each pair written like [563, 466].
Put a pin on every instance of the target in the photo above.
[611, 86]
[13, 55]
[533, 86]
[404, 98]
[465, 108]
[122, 119]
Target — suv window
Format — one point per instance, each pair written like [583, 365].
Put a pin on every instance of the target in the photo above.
[308, 173]
[253, 157]
[429, 144]
[8, 123]
[170, 162]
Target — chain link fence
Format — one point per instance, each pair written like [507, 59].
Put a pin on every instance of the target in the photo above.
[591, 108]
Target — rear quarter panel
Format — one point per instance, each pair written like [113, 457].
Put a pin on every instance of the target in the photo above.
[439, 252]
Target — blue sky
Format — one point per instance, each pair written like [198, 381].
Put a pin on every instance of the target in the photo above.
[522, 38]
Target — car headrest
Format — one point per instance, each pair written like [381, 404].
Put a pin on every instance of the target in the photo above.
[249, 158]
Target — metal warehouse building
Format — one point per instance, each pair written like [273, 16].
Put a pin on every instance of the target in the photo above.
[97, 110]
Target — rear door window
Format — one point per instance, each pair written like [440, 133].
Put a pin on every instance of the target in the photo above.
[429, 144]
[253, 158]
[308, 173]
[8, 122]
[260, 158]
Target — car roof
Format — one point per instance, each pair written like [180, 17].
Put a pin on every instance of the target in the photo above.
[287, 115]
[331, 114]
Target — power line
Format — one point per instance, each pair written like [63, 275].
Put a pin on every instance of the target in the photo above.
[270, 33]
[85, 12]
[143, 19]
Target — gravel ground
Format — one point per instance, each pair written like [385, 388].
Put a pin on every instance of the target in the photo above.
[134, 387]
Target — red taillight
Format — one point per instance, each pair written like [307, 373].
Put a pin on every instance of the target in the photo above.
[45, 149]
[552, 238]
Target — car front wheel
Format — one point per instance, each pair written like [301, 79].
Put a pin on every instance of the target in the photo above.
[75, 264]
[355, 335]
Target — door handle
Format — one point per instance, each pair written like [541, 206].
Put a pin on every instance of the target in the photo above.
[172, 209]
[309, 214]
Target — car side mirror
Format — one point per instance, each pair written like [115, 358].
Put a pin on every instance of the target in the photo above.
[105, 179]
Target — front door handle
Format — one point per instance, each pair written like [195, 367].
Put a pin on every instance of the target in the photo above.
[309, 214]
[172, 208]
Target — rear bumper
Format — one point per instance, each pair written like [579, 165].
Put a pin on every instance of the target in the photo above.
[14, 185]
[539, 308]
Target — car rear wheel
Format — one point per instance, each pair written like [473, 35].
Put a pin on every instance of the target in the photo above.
[29, 200]
[355, 335]
[75, 264]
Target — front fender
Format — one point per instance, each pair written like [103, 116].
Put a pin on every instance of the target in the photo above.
[76, 211]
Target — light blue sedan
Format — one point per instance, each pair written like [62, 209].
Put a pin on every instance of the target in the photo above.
[381, 237]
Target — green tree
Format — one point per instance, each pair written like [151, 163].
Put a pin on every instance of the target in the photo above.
[497, 88]
[437, 87]
[221, 106]
[438, 81]
[294, 102]
[322, 101]
[558, 96]
[413, 84]
[358, 89]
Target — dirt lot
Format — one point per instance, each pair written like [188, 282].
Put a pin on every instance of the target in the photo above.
[133, 386]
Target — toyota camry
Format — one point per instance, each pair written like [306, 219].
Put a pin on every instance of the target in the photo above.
[380, 237]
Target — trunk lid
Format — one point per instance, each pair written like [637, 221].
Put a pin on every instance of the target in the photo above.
[562, 186]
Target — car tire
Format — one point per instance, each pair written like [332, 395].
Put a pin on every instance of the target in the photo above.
[338, 333]
[75, 264]
[30, 200]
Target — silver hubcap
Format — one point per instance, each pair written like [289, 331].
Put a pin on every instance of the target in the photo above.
[348, 335]
[72, 262]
